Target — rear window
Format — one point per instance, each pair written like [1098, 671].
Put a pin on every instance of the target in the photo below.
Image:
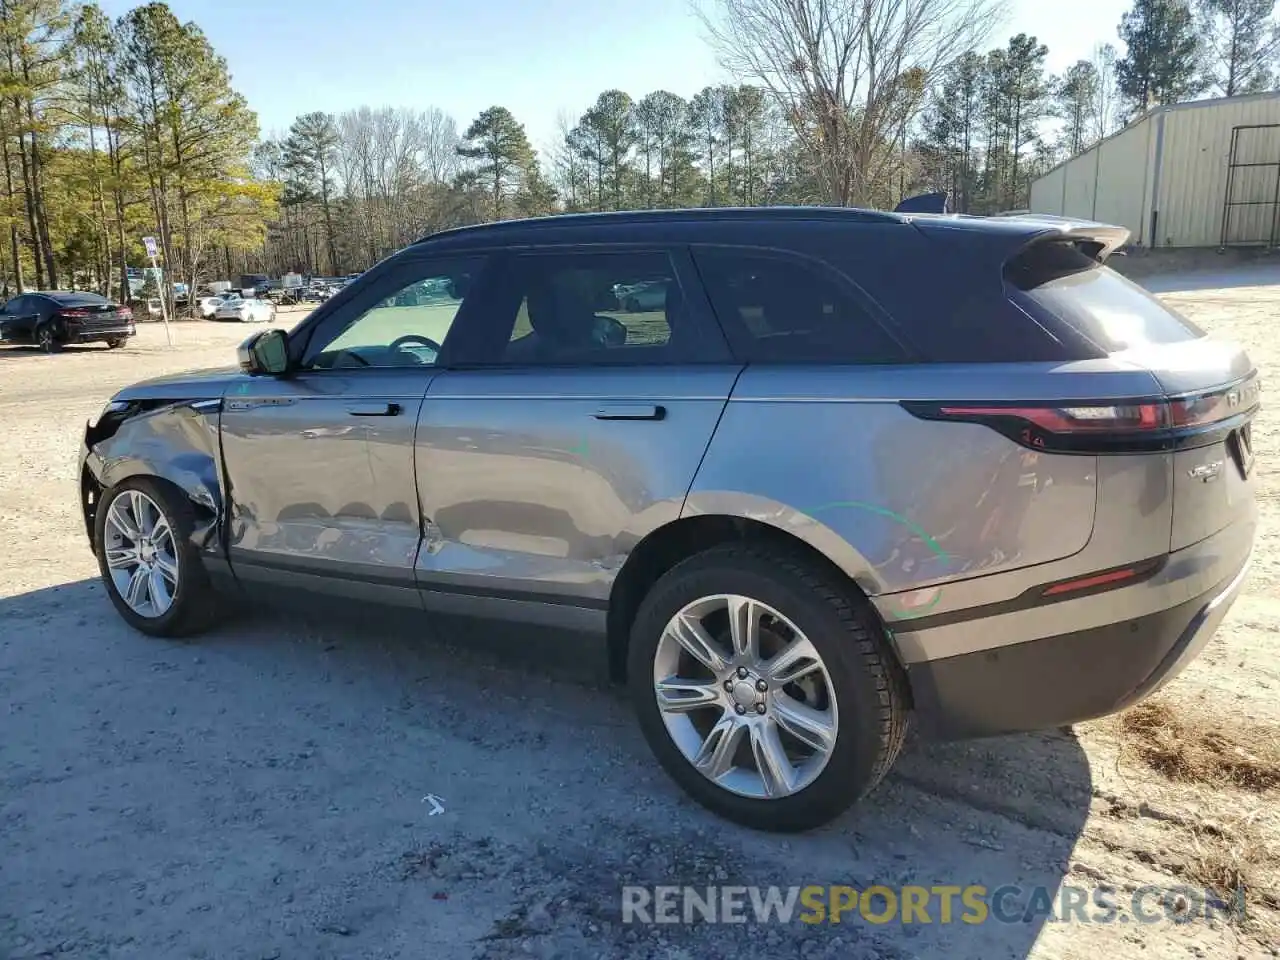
[1096, 302]
[80, 299]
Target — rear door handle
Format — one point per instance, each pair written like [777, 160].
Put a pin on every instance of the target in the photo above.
[383, 409]
[630, 411]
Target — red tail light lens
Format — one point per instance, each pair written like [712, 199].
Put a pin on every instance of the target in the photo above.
[74, 314]
[124, 313]
[1108, 426]
[1089, 418]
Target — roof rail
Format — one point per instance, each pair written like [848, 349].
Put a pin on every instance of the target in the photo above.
[681, 215]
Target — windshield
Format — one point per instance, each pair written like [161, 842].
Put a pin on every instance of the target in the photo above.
[1109, 310]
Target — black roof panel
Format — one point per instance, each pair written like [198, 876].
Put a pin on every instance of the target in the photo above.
[685, 215]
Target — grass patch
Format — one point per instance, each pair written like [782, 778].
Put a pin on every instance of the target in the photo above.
[1191, 748]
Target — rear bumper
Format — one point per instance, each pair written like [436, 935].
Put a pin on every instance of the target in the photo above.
[78, 334]
[1066, 678]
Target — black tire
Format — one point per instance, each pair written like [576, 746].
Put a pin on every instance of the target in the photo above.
[195, 603]
[47, 338]
[117, 343]
[869, 684]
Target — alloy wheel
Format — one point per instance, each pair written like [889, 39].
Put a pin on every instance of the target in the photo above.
[745, 696]
[141, 553]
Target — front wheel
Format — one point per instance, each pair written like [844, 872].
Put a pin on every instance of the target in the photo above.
[764, 687]
[151, 569]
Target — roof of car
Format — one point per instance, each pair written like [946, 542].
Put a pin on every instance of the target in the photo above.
[70, 296]
[695, 215]
[1002, 229]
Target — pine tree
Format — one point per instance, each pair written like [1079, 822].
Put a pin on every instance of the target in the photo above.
[951, 128]
[1162, 62]
[195, 134]
[1241, 43]
[499, 147]
[609, 134]
[1025, 91]
[308, 160]
[32, 62]
[1075, 94]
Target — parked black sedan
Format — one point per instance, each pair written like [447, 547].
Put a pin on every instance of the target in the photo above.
[52, 318]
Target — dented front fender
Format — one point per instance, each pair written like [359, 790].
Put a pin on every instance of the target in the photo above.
[175, 441]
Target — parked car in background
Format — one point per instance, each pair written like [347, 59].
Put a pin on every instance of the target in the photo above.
[51, 319]
[245, 310]
[208, 306]
[641, 297]
[809, 499]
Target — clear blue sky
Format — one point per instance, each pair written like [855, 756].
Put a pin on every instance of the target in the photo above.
[537, 57]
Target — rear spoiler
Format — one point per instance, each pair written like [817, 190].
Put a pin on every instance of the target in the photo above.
[924, 203]
[1097, 240]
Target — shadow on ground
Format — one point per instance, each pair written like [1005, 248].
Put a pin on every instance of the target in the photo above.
[15, 351]
[1229, 277]
[263, 792]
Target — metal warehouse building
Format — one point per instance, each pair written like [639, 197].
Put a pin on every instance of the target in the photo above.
[1203, 174]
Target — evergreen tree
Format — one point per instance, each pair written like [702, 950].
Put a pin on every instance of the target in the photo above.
[1241, 42]
[1162, 62]
[498, 146]
[1075, 95]
[308, 159]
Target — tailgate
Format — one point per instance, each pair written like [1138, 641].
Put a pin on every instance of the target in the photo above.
[1209, 389]
[1213, 475]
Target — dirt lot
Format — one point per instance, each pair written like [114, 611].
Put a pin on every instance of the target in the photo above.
[261, 792]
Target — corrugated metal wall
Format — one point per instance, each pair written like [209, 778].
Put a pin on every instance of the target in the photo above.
[1124, 176]
[1046, 193]
[1106, 182]
[1178, 158]
[1193, 180]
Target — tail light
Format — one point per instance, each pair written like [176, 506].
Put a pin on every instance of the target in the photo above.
[1107, 426]
[74, 314]
[124, 313]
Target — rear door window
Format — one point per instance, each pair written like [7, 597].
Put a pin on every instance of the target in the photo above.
[781, 309]
[1094, 301]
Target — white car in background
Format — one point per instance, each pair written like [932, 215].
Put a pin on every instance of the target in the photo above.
[245, 310]
[208, 306]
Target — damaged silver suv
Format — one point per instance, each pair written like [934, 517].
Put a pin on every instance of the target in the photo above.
[835, 469]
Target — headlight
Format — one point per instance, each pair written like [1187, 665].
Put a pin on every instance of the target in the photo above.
[114, 406]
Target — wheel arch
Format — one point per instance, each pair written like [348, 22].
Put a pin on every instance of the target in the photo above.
[673, 542]
[176, 444]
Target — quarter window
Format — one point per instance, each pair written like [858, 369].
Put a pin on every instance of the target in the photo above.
[776, 309]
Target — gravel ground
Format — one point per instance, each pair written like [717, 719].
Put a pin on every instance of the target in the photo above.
[262, 792]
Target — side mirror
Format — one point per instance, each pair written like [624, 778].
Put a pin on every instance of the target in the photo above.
[265, 354]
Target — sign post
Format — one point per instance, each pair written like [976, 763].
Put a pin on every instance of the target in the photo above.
[152, 252]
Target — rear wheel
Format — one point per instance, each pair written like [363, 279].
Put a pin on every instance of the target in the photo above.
[47, 338]
[151, 570]
[763, 686]
[116, 343]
